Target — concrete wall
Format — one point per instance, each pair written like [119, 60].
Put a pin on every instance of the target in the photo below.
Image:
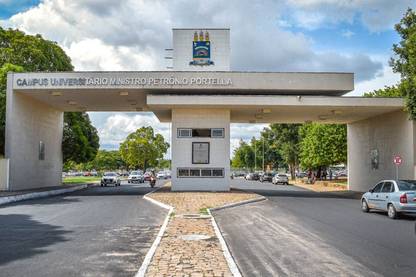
[220, 50]
[391, 134]
[27, 123]
[4, 174]
[219, 148]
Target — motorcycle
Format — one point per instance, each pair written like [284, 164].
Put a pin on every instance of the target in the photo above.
[152, 181]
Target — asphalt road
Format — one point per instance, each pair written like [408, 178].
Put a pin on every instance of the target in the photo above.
[301, 233]
[100, 231]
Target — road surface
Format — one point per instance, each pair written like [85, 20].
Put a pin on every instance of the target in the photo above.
[100, 231]
[301, 233]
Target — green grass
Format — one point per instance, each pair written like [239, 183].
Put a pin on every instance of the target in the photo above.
[204, 211]
[80, 180]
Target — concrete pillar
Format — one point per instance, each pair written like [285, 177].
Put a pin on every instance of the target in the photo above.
[380, 139]
[30, 123]
[219, 148]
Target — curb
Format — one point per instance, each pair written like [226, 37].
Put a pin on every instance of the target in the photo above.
[227, 255]
[42, 194]
[257, 199]
[148, 258]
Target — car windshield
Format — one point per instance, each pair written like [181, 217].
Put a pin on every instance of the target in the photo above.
[405, 185]
[134, 173]
[110, 174]
[282, 175]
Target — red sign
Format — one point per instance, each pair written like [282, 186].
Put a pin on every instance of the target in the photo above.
[397, 160]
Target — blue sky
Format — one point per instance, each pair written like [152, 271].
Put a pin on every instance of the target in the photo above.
[11, 7]
[269, 35]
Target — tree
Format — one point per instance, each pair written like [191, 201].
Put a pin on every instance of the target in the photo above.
[392, 91]
[404, 62]
[243, 156]
[323, 145]
[286, 139]
[20, 52]
[80, 141]
[4, 69]
[143, 149]
[272, 156]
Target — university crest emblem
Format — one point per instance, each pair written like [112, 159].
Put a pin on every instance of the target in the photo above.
[201, 49]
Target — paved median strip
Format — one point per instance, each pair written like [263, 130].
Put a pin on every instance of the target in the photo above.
[190, 242]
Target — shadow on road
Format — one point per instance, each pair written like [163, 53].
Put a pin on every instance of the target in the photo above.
[22, 237]
[306, 193]
[111, 190]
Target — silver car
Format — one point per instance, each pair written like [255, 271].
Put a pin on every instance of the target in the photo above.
[280, 179]
[110, 178]
[135, 177]
[392, 196]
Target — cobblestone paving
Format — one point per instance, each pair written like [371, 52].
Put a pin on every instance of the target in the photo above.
[193, 202]
[178, 257]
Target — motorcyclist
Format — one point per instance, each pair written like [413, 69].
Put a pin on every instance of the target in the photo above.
[152, 178]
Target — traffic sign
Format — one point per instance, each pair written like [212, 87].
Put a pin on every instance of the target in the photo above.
[397, 160]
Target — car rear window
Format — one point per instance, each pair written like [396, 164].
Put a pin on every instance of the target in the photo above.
[405, 185]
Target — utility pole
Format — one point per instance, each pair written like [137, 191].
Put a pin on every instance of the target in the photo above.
[263, 156]
[255, 155]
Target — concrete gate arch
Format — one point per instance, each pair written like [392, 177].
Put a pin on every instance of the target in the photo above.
[203, 99]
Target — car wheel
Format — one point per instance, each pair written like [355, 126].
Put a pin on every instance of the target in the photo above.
[102, 185]
[364, 206]
[391, 211]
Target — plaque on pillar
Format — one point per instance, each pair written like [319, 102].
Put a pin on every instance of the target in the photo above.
[200, 152]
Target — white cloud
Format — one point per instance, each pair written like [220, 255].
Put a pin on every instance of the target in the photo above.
[376, 15]
[347, 33]
[94, 54]
[243, 132]
[385, 78]
[132, 35]
[118, 126]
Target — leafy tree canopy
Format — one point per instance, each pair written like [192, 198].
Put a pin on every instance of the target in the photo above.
[143, 148]
[80, 139]
[404, 62]
[322, 145]
[24, 53]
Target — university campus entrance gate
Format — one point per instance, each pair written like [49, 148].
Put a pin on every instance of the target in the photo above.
[201, 97]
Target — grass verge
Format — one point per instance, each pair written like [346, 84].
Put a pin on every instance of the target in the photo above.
[80, 180]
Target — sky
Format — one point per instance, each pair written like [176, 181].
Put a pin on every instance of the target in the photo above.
[280, 35]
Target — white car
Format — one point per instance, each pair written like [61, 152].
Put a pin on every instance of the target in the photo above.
[280, 179]
[164, 174]
[135, 177]
[110, 178]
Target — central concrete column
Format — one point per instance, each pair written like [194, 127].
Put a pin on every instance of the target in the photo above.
[182, 149]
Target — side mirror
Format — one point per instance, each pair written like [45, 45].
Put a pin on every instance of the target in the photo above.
[371, 190]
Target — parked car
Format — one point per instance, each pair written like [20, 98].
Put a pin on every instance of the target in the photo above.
[135, 177]
[266, 177]
[341, 174]
[252, 176]
[280, 178]
[161, 175]
[110, 178]
[394, 197]
[301, 175]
